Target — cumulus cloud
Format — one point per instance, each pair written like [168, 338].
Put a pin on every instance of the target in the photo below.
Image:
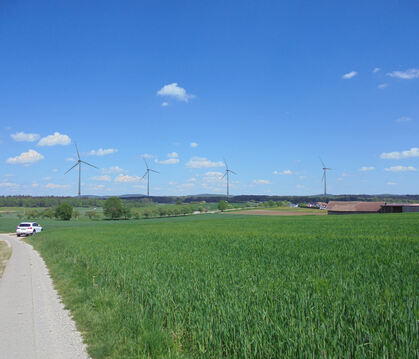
[55, 139]
[147, 155]
[367, 168]
[202, 162]
[169, 161]
[404, 119]
[376, 70]
[285, 172]
[212, 176]
[382, 86]
[405, 75]
[261, 181]
[55, 185]
[173, 155]
[25, 137]
[102, 152]
[349, 75]
[113, 169]
[401, 169]
[126, 178]
[26, 158]
[165, 104]
[391, 183]
[413, 152]
[176, 92]
[105, 178]
[193, 144]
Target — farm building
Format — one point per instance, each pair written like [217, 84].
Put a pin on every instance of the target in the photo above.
[401, 207]
[357, 207]
[354, 207]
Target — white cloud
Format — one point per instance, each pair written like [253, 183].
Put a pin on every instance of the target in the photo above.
[54, 170]
[193, 144]
[349, 75]
[404, 119]
[376, 70]
[173, 155]
[126, 178]
[285, 172]
[102, 178]
[401, 169]
[212, 177]
[169, 161]
[413, 152]
[147, 155]
[261, 181]
[25, 137]
[113, 169]
[391, 183]
[299, 186]
[405, 75]
[165, 104]
[202, 162]
[35, 184]
[382, 86]
[26, 158]
[102, 152]
[367, 168]
[55, 185]
[70, 159]
[173, 90]
[55, 139]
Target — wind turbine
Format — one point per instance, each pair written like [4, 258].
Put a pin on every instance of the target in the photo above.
[227, 174]
[78, 163]
[325, 169]
[147, 173]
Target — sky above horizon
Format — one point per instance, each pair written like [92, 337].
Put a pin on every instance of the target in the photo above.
[271, 86]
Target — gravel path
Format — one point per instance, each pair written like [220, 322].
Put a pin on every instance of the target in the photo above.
[33, 321]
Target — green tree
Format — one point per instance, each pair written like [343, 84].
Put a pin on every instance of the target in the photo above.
[64, 211]
[126, 212]
[222, 205]
[112, 208]
[76, 214]
[92, 215]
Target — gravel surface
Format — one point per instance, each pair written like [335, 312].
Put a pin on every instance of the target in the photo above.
[33, 321]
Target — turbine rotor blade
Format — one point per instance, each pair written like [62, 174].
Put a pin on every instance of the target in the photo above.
[71, 168]
[146, 164]
[154, 171]
[322, 162]
[78, 154]
[88, 164]
[145, 174]
[225, 162]
[234, 173]
[224, 175]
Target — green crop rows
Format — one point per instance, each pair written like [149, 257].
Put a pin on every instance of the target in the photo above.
[231, 286]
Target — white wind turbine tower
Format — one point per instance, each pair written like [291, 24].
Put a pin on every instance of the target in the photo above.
[227, 174]
[147, 173]
[325, 169]
[78, 163]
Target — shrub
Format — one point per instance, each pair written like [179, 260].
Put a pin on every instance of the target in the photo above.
[222, 205]
[64, 211]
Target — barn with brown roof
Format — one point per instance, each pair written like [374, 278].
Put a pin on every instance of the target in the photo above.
[354, 207]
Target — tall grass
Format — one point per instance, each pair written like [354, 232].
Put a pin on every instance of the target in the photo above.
[242, 287]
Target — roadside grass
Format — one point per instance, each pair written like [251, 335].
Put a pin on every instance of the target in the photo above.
[5, 253]
[233, 286]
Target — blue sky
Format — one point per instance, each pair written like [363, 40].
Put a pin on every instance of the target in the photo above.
[268, 85]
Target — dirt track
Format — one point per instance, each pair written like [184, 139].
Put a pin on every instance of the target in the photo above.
[265, 212]
[33, 321]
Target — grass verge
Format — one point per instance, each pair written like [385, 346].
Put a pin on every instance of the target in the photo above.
[5, 253]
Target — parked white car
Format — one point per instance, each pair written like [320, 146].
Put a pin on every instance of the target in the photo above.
[28, 228]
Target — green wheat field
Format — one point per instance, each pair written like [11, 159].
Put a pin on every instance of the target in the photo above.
[236, 286]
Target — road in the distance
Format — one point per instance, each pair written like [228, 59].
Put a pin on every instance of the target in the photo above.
[33, 321]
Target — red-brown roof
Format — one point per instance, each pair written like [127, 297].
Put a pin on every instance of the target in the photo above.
[354, 206]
